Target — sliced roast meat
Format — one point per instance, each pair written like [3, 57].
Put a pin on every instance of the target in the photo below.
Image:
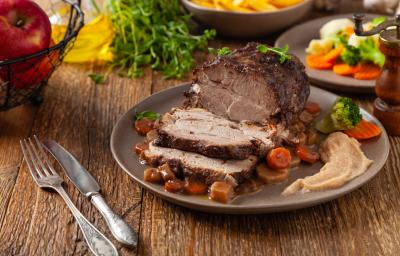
[200, 131]
[200, 167]
[250, 85]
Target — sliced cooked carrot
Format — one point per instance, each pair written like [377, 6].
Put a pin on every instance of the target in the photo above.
[312, 107]
[306, 155]
[349, 31]
[344, 69]
[279, 158]
[367, 72]
[333, 54]
[364, 130]
[318, 62]
[193, 187]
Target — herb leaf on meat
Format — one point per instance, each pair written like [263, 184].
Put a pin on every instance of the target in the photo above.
[220, 52]
[282, 52]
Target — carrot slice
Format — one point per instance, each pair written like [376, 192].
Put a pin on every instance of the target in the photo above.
[193, 187]
[279, 158]
[367, 72]
[318, 62]
[344, 69]
[333, 54]
[364, 130]
[349, 31]
[306, 155]
[312, 107]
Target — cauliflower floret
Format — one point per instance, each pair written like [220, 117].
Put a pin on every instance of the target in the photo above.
[333, 27]
[355, 40]
[369, 26]
[320, 46]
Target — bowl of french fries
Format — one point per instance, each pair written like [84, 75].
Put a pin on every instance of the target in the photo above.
[247, 18]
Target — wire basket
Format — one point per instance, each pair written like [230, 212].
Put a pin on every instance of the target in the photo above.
[22, 79]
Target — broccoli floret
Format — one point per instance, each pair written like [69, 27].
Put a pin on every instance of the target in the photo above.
[344, 115]
[369, 51]
[351, 55]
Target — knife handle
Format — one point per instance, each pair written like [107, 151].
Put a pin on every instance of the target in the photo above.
[97, 242]
[119, 228]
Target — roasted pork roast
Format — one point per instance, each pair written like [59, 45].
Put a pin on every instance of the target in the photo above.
[239, 107]
[199, 131]
[250, 85]
[200, 167]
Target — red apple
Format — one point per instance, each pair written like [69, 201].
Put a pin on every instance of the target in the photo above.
[35, 74]
[24, 28]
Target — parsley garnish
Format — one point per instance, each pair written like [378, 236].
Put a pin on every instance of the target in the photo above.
[282, 52]
[150, 115]
[154, 33]
[220, 52]
[97, 79]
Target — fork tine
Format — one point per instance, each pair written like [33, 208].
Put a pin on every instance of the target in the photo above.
[30, 160]
[45, 158]
[38, 158]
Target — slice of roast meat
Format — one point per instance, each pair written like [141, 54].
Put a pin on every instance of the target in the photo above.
[198, 130]
[200, 167]
[250, 85]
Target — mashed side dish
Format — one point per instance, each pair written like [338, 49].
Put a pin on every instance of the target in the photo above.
[344, 160]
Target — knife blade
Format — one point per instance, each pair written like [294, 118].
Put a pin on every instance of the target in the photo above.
[88, 186]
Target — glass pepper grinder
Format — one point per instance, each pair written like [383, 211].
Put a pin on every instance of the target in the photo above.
[387, 86]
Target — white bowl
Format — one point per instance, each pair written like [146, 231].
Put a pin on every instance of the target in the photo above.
[244, 24]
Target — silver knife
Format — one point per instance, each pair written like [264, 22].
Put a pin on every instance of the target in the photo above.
[91, 189]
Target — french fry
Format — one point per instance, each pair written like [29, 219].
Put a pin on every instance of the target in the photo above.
[203, 3]
[285, 3]
[228, 4]
[247, 5]
[261, 5]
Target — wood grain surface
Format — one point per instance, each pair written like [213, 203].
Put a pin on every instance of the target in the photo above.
[81, 115]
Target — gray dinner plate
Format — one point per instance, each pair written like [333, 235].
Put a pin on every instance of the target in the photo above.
[269, 199]
[298, 39]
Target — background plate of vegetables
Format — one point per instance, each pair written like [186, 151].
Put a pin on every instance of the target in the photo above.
[334, 56]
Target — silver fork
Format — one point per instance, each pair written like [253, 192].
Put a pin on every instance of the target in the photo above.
[46, 177]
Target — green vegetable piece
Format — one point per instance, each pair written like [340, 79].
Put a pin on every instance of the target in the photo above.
[344, 115]
[97, 79]
[220, 52]
[150, 115]
[369, 51]
[377, 21]
[325, 125]
[351, 55]
[282, 52]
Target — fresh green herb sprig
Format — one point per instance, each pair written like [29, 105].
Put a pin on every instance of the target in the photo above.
[150, 115]
[220, 52]
[154, 33]
[282, 52]
[97, 79]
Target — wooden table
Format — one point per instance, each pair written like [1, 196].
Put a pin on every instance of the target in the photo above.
[81, 115]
